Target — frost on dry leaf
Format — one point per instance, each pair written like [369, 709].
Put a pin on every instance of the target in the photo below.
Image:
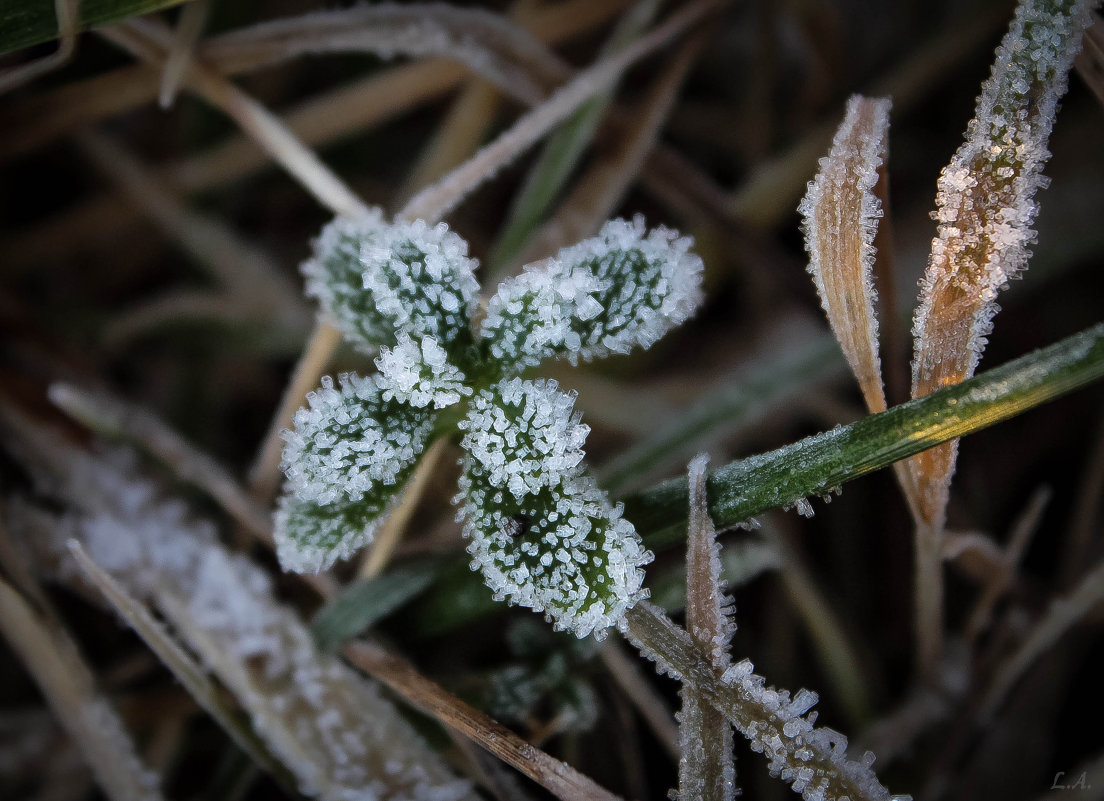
[377, 280]
[840, 214]
[331, 728]
[542, 533]
[620, 289]
[985, 207]
[985, 204]
[350, 451]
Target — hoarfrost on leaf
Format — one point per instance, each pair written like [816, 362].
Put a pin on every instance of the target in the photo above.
[420, 374]
[620, 289]
[542, 532]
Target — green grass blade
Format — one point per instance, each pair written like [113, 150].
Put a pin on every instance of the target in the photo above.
[29, 22]
[366, 602]
[819, 464]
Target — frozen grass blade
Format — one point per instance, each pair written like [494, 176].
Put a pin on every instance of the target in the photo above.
[54, 662]
[985, 207]
[841, 214]
[187, 671]
[813, 761]
[706, 769]
[819, 464]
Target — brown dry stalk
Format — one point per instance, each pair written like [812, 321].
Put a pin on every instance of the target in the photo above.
[554, 775]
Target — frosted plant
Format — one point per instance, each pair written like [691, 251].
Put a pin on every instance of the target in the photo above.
[541, 531]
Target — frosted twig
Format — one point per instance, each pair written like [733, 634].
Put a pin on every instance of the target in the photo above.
[54, 662]
[706, 769]
[985, 207]
[1062, 615]
[437, 200]
[813, 761]
[841, 214]
[117, 418]
[67, 13]
[187, 671]
[151, 42]
[488, 44]
[188, 30]
[554, 775]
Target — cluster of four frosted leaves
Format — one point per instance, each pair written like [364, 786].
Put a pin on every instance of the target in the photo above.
[542, 533]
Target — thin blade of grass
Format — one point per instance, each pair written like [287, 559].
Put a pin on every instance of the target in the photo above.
[364, 603]
[54, 662]
[187, 671]
[841, 214]
[706, 769]
[775, 724]
[819, 464]
[562, 151]
[554, 775]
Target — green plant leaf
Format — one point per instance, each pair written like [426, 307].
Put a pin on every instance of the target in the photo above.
[30, 22]
[819, 464]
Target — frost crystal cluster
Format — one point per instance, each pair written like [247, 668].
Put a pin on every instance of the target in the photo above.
[541, 531]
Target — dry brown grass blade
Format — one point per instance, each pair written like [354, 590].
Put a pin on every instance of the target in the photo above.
[1090, 61]
[649, 703]
[706, 769]
[554, 775]
[54, 662]
[841, 215]
[985, 207]
[151, 43]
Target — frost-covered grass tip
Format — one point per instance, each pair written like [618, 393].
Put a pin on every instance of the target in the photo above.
[541, 531]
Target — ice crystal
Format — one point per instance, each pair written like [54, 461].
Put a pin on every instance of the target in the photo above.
[604, 295]
[543, 533]
[420, 374]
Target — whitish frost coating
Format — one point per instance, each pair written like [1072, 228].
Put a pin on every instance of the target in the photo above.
[813, 761]
[985, 203]
[377, 279]
[350, 451]
[352, 440]
[331, 728]
[841, 214]
[420, 374]
[542, 532]
[604, 295]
